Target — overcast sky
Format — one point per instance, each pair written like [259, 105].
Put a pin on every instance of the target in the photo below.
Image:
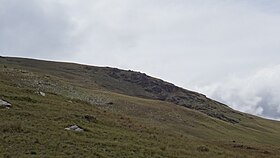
[226, 49]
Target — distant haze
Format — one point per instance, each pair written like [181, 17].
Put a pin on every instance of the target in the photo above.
[226, 49]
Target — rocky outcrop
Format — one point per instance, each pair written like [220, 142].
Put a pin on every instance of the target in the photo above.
[142, 85]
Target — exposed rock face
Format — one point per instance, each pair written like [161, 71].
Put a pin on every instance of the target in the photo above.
[146, 86]
[4, 104]
[74, 128]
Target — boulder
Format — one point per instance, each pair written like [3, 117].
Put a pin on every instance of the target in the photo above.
[4, 104]
[42, 94]
[90, 118]
[74, 128]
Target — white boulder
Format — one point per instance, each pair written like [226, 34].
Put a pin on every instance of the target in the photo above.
[4, 104]
[74, 128]
[42, 94]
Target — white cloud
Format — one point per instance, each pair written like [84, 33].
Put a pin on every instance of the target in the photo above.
[257, 93]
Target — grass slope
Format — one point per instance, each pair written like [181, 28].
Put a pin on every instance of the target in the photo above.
[117, 123]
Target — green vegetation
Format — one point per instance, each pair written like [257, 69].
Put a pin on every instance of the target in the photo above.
[120, 118]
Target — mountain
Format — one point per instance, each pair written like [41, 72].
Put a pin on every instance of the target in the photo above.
[119, 113]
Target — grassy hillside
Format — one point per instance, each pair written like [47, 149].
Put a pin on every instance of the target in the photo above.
[128, 83]
[124, 114]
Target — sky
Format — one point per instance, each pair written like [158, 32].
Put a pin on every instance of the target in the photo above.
[226, 49]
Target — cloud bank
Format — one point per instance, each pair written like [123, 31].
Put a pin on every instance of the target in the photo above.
[257, 93]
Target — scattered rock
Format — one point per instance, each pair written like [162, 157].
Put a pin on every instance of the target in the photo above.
[23, 71]
[4, 104]
[238, 146]
[42, 94]
[244, 147]
[203, 149]
[251, 148]
[74, 128]
[110, 103]
[33, 153]
[90, 118]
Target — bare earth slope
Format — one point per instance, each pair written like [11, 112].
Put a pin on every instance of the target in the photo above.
[124, 114]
